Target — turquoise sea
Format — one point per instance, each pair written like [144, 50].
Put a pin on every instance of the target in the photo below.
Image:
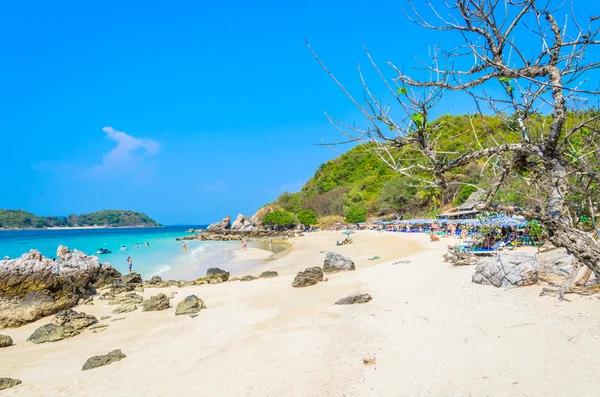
[163, 257]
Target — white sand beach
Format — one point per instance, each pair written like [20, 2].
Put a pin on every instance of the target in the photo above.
[429, 329]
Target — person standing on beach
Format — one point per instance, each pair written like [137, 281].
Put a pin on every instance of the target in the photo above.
[130, 263]
[244, 243]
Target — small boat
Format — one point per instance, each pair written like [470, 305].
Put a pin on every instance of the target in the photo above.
[103, 251]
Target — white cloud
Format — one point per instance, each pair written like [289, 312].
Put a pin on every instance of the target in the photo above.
[129, 153]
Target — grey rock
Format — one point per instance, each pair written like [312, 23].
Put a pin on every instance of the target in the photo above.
[190, 305]
[130, 307]
[557, 262]
[156, 303]
[5, 341]
[310, 276]
[154, 280]
[132, 278]
[7, 383]
[248, 278]
[516, 269]
[105, 359]
[127, 299]
[337, 263]
[216, 273]
[268, 274]
[66, 324]
[355, 298]
[105, 317]
[225, 224]
[33, 286]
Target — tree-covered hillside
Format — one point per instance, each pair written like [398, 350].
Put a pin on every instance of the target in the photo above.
[19, 219]
[360, 178]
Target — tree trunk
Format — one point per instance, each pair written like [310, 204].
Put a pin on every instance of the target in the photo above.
[577, 242]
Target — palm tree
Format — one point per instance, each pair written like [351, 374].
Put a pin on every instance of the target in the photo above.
[430, 196]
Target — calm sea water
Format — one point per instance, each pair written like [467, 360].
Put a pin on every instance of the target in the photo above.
[163, 257]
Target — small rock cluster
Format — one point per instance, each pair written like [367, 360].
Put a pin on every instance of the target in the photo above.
[333, 263]
[66, 324]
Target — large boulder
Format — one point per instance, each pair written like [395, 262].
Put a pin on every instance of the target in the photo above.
[7, 383]
[5, 341]
[105, 359]
[310, 276]
[557, 262]
[225, 224]
[257, 218]
[337, 263]
[216, 274]
[516, 269]
[33, 286]
[242, 224]
[107, 275]
[132, 278]
[353, 299]
[66, 324]
[156, 303]
[190, 305]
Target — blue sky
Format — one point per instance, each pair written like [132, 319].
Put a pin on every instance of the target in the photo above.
[185, 110]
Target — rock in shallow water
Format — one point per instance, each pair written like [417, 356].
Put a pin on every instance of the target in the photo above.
[355, 298]
[190, 305]
[156, 303]
[310, 276]
[7, 383]
[105, 359]
[337, 263]
[5, 341]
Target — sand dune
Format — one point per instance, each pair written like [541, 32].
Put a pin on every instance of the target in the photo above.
[431, 331]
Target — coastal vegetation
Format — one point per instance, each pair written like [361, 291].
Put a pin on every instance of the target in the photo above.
[19, 219]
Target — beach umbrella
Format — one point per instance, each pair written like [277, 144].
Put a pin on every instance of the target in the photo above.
[347, 232]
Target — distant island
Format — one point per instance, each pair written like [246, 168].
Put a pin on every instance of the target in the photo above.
[19, 219]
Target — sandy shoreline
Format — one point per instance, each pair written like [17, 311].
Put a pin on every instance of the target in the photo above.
[431, 331]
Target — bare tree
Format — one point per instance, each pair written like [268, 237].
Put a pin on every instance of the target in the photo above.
[535, 55]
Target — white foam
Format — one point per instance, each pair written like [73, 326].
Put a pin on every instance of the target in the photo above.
[162, 269]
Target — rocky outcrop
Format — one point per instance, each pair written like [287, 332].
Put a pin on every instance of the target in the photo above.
[190, 305]
[353, 299]
[127, 299]
[310, 276]
[154, 280]
[268, 274]
[337, 263]
[33, 286]
[66, 324]
[557, 262]
[156, 303]
[129, 307]
[5, 341]
[225, 224]
[214, 274]
[257, 218]
[242, 223]
[517, 269]
[105, 359]
[107, 275]
[7, 383]
[132, 278]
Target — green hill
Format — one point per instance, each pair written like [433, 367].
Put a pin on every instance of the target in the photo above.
[19, 219]
[360, 178]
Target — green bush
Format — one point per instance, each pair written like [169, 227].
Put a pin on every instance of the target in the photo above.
[307, 217]
[356, 214]
[283, 219]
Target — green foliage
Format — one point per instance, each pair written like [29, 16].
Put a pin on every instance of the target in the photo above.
[279, 218]
[307, 217]
[289, 201]
[395, 195]
[463, 194]
[17, 219]
[356, 214]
